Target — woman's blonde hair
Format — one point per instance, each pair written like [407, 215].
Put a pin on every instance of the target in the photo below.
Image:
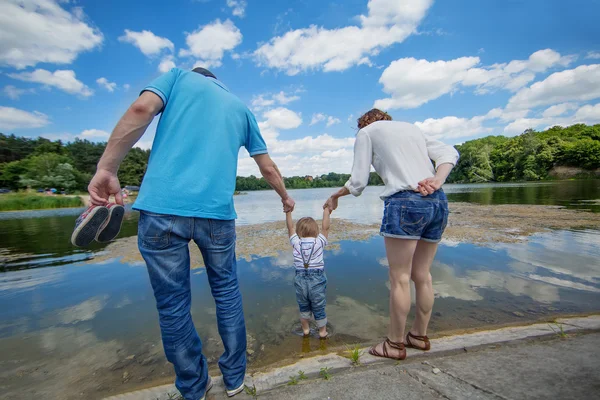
[307, 227]
[372, 116]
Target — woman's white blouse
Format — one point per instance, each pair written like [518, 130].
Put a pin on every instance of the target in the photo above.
[400, 153]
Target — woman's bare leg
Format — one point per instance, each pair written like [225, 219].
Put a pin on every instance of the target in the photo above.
[400, 257]
[421, 276]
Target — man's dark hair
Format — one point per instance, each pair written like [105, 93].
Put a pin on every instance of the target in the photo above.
[205, 72]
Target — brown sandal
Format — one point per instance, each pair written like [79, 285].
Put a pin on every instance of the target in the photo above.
[393, 345]
[424, 339]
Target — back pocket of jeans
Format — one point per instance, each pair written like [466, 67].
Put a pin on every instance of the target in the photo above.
[222, 231]
[154, 230]
[414, 219]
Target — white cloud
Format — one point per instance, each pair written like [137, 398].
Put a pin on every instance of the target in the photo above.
[149, 43]
[587, 114]
[453, 127]
[324, 145]
[267, 100]
[579, 84]
[505, 115]
[412, 83]
[305, 156]
[283, 98]
[209, 42]
[262, 101]
[319, 117]
[332, 120]
[166, 64]
[387, 22]
[238, 7]
[126, 87]
[41, 31]
[559, 109]
[593, 55]
[282, 118]
[316, 118]
[13, 119]
[64, 80]
[309, 159]
[94, 135]
[515, 74]
[103, 82]
[15, 93]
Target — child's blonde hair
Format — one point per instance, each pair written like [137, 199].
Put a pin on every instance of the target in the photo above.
[307, 227]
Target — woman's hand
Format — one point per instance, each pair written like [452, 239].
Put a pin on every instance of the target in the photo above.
[429, 186]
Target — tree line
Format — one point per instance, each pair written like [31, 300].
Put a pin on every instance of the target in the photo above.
[42, 163]
[529, 156]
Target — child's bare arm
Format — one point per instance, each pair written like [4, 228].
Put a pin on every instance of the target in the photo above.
[326, 221]
[290, 224]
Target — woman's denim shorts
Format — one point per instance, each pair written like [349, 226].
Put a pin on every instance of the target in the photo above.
[409, 215]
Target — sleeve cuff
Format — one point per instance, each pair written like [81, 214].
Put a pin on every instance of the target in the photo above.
[354, 191]
[157, 92]
[258, 152]
[445, 161]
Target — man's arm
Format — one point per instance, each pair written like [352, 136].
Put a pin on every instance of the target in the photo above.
[290, 224]
[270, 172]
[128, 131]
[326, 222]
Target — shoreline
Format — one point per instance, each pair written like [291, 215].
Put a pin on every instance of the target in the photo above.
[278, 376]
[468, 223]
[85, 198]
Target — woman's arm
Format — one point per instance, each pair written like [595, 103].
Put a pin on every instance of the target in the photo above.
[445, 158]
[290, 224]
[361, 169]
[326, 222]
[332, 202]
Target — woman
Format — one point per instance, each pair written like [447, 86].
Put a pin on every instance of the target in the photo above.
[414, 217]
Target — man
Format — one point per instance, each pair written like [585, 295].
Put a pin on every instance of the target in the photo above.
[187, 194]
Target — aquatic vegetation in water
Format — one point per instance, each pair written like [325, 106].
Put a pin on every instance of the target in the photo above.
[324, 373]
[24, 201]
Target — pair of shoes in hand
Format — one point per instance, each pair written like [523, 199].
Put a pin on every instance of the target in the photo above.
[100, 223]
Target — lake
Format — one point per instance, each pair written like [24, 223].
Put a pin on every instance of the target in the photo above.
[72, 326]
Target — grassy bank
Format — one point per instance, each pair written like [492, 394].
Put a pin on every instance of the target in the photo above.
[26, 201]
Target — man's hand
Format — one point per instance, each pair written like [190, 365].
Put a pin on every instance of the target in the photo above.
[288, 204]
[429, 186]
[331, 203]
[103, 185]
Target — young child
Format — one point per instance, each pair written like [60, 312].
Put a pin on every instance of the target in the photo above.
[310, 280]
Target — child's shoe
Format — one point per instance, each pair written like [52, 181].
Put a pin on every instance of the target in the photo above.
[112, 226]
[88, 224]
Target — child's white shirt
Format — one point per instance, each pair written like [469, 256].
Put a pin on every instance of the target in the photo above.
[303, 247]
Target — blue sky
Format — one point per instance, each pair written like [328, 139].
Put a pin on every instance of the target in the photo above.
[459, 70]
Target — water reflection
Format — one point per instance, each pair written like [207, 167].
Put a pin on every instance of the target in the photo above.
[91, 330]
[41, 238]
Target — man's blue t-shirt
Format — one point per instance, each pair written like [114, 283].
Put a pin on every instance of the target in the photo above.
[193, 163]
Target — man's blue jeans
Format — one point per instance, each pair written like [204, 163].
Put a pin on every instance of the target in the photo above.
[163, 241]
